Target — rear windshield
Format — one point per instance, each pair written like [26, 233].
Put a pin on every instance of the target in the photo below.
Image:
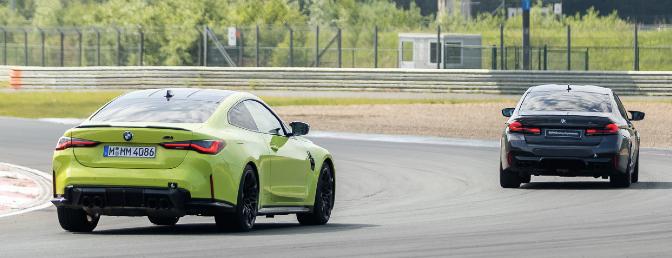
[156, 110]
[575, 101]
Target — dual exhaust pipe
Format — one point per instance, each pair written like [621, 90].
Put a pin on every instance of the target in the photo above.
[92, 202]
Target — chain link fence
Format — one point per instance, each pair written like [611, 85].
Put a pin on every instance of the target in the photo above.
[552, 48]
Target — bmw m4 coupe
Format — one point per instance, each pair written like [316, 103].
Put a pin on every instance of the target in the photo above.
[167, 153]
[567, 130]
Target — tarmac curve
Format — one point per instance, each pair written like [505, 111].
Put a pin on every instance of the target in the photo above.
[394, 199]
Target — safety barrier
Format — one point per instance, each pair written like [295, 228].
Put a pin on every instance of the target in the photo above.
[4, 74]
[420, 80]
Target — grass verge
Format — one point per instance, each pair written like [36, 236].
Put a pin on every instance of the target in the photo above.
[38, 104]
[79, 104]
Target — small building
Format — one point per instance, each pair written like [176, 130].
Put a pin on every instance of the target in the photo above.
[460, 51]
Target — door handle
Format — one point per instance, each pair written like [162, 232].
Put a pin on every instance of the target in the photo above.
[274, 147]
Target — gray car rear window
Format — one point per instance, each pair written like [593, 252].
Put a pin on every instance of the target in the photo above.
[156, 110]
[571, 101]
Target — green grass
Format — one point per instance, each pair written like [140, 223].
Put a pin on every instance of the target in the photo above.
[79, 104]
[32, 104]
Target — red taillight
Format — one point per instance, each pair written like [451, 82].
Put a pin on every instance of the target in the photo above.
[609, 129]
[67, 142]
[518, 127]
[205, 146]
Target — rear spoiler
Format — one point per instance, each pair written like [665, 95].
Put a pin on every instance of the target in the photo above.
[149, 126]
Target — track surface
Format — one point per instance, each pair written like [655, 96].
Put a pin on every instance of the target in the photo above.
[393, 199]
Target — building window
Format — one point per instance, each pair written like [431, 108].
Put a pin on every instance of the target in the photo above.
[432, 52]
[407, 51]
[453, 53]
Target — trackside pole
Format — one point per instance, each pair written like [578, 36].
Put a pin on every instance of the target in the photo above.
[636, 64]
[438, 47]
[569, 47]
[375, 47]
[142, 47]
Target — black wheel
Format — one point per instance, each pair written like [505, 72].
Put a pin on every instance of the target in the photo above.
[526, 179]
[507, 179]
[76, 220]
[242, 220]
[163, 221]
[635, 174]
[324, 199]
[621, 180]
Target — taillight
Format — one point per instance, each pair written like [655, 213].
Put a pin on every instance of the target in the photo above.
[517, 127]
[67, 142]
[609, 129]
[204, 146]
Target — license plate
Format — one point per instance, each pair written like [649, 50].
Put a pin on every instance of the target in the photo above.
[129, 152]
[563, 133]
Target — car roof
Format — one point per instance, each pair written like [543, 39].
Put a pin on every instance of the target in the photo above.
[563, 87]
[181, 93]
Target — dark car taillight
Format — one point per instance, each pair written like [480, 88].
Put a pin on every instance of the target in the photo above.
[518, 127]
[67, 142]
[202, 146]
[608, 129]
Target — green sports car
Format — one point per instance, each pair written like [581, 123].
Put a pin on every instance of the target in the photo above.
[167, 153]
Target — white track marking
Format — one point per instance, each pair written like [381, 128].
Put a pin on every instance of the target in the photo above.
[42, 191]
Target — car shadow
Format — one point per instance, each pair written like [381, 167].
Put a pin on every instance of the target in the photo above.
[211, 229]
[592, 185]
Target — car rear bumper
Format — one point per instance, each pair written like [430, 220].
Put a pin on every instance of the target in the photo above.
[137, 201]
[563, 166]
[609, 157]
[194, 175]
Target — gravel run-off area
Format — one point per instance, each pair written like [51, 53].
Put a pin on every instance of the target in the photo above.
[472, 121]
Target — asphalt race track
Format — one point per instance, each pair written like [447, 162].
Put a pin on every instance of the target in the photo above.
[393, 199]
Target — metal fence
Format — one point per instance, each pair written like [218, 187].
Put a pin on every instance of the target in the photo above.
[340, 79]
[315, 46]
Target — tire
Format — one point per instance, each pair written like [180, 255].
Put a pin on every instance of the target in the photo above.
[621, 180]
[526, 179]
[508, 180]
[635, 174]
[324, 199]
[76, 220]
[242, 220]
[163, 221]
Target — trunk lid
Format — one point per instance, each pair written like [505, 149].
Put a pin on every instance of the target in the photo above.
[111, 136]
[567, 129]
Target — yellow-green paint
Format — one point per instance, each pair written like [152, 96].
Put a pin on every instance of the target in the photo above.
[285, 176]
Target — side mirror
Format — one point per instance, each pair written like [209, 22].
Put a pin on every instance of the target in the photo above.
[508, 112]
[299, 128]
[636, 115]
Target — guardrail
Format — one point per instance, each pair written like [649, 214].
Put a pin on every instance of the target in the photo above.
[4, 74]
[420, 80]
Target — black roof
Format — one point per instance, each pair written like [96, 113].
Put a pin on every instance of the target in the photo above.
[181, 93]
[563, 87]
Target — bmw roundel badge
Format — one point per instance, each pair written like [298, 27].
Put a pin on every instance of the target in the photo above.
[128, 136]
